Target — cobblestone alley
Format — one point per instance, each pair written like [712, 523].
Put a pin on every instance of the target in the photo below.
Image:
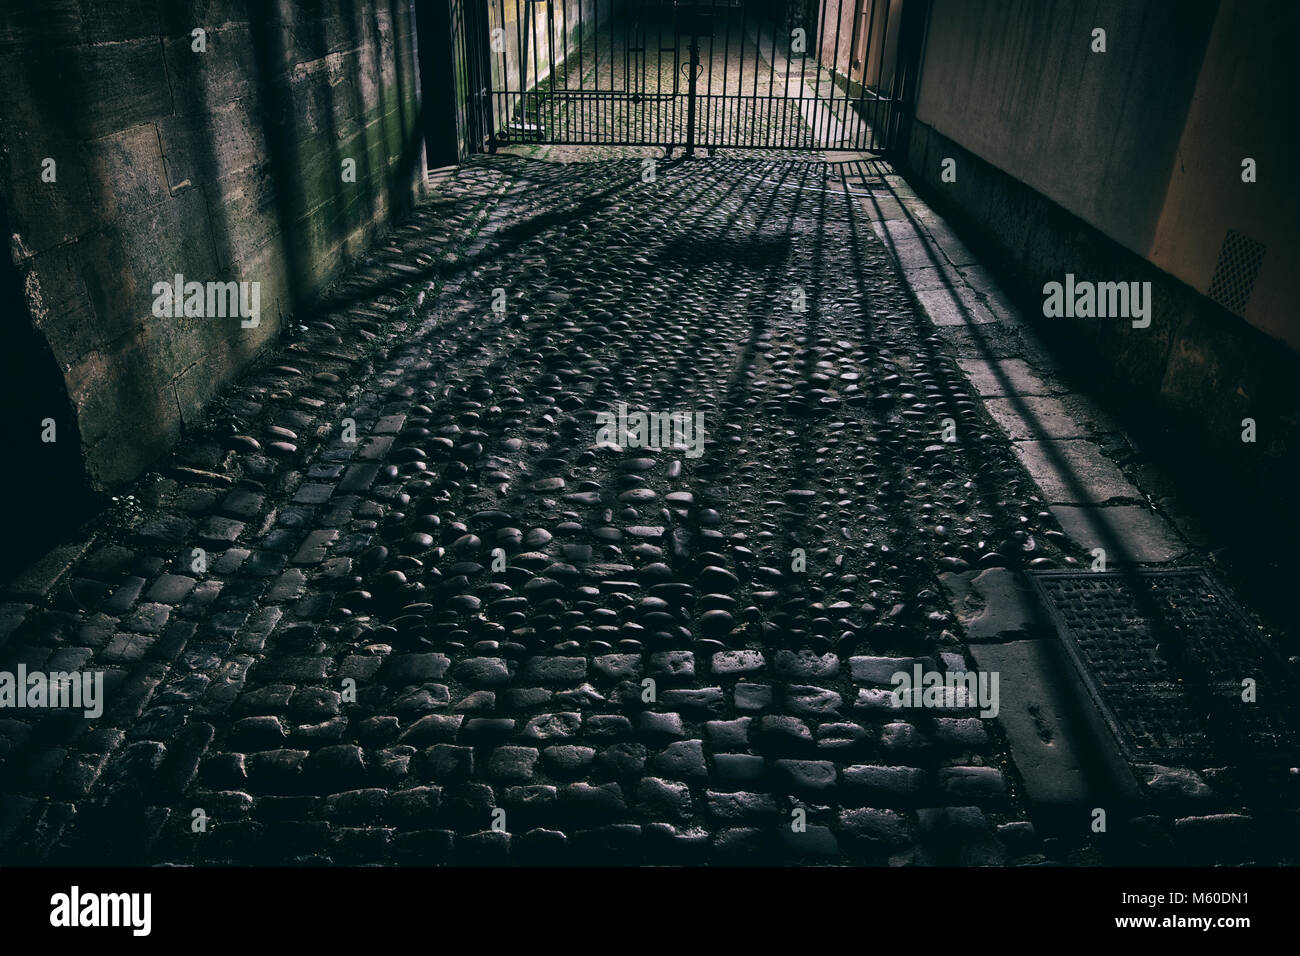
[571, 500]
[676, 651]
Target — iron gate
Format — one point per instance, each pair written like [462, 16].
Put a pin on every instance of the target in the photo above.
[774, 74]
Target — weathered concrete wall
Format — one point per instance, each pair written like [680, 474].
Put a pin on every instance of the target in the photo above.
[218, 161]
[1126, 166]
[1017, 83]
[1245, 105]
[1144, 141]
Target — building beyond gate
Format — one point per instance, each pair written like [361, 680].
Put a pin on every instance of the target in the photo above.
[770, 74]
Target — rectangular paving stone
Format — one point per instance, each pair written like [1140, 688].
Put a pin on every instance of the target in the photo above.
[881, 670]
[282, 540]
[107, 563]
[333, 571]
[554, 670]
[125, 596]
[324, 472]
[337, 451]
[359, 477]
[752, 696]
[1073, 471]
[991, 341]
[313, 493]
[526, 697]
[230, 561]
[165, 529]
[483, 671]
[1143, 535]
[223, 624]
[983, 785]
[415, 668]
[875, 700]
[40, 578]
[127, 648]
[252, 636]
[618, 666]
[901, 229]
[361, 667]
[293, 668]
[742, 805]
[1008, 376]
[882, 784]
[173, 640]
[994, 604]
[912, 251]
[69, 659]
[945, 307]
[740, 770]
[807, 664]
[697, 699]
[1050, 736]
[313, 549]
[738, 662]
[883, 207]
[264, 564]
[289, 586]
[148, 618]
[930, 278]
[352, 543]
[170, 588]
[375, 447]
[132, 693]
[1038, 416]
[729, 733]
[241, 502]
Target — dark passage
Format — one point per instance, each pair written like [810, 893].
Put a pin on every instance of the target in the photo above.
[44, 481]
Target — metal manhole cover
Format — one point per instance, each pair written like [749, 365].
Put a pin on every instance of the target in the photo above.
[1164, 655]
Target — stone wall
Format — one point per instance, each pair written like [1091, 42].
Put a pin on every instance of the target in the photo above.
[133, 149]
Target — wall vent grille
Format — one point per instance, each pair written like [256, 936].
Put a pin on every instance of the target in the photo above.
[1234, 277]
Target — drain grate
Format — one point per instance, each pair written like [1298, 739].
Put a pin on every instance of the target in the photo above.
[1164, 654]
